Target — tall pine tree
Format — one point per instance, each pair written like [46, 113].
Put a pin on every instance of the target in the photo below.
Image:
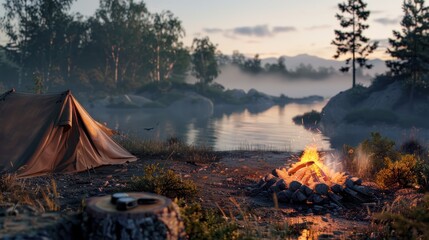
[410, 46]
[351, 42]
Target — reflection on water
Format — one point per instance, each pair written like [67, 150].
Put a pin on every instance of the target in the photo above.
[240, 129]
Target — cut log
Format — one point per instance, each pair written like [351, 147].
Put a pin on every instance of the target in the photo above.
[155, 220]
[299, 166]
[282, 173]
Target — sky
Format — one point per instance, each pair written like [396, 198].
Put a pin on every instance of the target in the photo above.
[270, 28]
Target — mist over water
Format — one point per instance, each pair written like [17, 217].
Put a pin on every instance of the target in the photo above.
[232, 77]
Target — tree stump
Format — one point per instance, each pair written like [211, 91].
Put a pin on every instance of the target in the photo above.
[159, 220]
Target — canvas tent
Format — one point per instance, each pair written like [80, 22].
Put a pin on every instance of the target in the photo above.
[40, 134]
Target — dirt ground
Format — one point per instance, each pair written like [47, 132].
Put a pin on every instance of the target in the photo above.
[226, 185]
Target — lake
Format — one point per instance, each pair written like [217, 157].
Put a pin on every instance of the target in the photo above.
[271, 129]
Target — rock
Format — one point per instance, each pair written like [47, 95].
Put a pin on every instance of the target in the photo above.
[237, 94]
[336, 188]
[349, 183]
[318, 208]
[350, 192]
[356, 180]
[273, 189]
[362, 189]
[192, 104]
[321, 188]
[316, 198]
[294, 185]
[281, 184]
[269, 183]
[269, 177]
[325, 219]
[306, 190]
[274, 172]
[284, 196]
[261, 181]
[298, 196]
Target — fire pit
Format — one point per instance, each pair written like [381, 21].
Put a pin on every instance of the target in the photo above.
[310, 181]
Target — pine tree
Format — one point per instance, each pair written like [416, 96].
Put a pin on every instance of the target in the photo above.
[352, 41]
[410, 47]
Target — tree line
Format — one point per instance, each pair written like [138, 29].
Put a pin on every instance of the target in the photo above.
[121, 47]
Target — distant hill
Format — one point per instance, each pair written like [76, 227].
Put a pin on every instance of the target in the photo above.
[379, 65]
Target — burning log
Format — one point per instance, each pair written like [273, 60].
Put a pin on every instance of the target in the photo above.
[311, 181]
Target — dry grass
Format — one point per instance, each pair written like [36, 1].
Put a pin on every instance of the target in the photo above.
[171, 149]
[16, 192]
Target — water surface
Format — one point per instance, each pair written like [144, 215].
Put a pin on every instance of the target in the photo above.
[272, 129]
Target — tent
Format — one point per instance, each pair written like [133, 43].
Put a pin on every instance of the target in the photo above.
[48, 133]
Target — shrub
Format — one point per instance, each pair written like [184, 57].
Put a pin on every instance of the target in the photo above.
[408, 221]
[158, 180]
[371, 116]
[308, 119]
[381, 82]
[379, 148]
[398, 173]
[206, 224]
[412, 146]
[422, 173]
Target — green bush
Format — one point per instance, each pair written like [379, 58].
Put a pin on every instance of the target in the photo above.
[206, 224]
[398, 173]
[308, 119]
[379, 148]
[422, 173]
[158, 180]
[371, 116]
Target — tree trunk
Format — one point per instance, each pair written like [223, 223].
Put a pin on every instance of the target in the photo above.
[160, 220]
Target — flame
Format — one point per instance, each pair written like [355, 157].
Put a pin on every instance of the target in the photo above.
[311, 170]
[310, 155]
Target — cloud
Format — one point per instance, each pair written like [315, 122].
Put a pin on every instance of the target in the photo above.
[258, 31]
[316, 27]
[282, 29]
[212, 30]
[387, 21]
[251, 31]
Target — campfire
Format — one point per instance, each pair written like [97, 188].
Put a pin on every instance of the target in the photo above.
[311, 181]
